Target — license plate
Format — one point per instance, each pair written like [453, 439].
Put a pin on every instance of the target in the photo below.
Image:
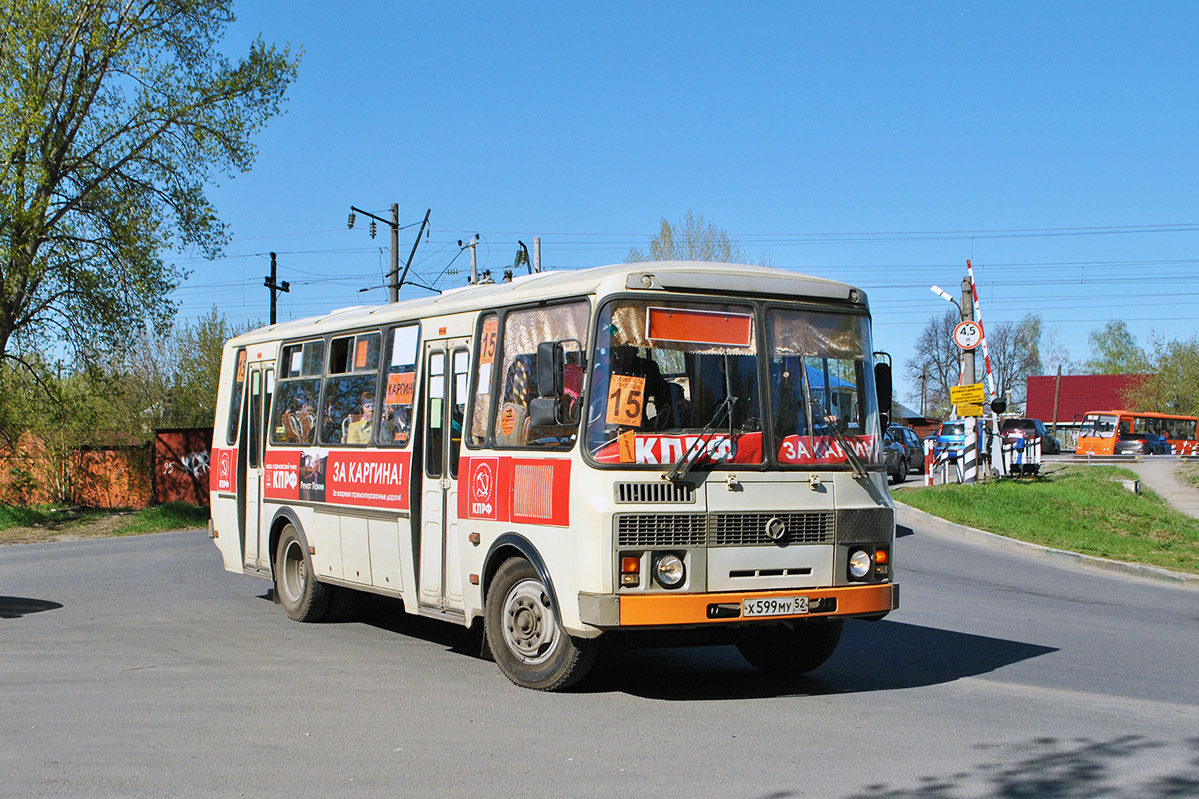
[774, 606]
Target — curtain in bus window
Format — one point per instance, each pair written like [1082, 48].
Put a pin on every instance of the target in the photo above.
[523, 331]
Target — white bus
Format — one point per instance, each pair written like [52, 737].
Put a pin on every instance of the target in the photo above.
[656, 451]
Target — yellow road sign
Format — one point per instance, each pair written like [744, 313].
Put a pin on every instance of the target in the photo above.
[966, 395]
[970, 410]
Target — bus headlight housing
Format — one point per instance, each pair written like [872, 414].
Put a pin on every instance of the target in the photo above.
[860, 563]
[669, 570]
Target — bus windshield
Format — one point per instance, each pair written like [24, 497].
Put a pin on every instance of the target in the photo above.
[1097, 426]
[822, 392]
[670, 378]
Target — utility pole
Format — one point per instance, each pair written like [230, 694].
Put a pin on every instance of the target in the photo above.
[393, 276]
[537, 254]
[967, 316]
[275, 287]
[474, 264]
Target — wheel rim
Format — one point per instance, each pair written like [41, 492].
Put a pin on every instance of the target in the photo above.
[530, 629]
[295, 574]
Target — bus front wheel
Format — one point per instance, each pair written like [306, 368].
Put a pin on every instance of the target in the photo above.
[789, 651]
[302, 597]
[525, 635]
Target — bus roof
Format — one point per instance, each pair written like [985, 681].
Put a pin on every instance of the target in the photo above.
[692, 276]
[1149, 414]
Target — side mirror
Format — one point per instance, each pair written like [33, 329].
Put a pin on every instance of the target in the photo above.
[551, 366]
[882, 386]
[543, 412]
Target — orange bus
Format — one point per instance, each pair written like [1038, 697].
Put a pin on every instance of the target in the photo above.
[1101, 429]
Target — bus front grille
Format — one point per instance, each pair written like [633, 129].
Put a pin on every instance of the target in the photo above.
[753, 529]
[865, 525]
[723, 529]
[648, 493]
[661, 530]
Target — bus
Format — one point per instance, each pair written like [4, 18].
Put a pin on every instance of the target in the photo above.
[1100, 429]
[656, 452]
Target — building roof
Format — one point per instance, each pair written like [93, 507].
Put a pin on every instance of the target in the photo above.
[1078, 395]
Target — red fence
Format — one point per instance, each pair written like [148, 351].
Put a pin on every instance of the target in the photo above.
[174, 469]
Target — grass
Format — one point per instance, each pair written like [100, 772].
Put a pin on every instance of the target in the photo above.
[1189, 473]
[34, 524]
[1082, 509]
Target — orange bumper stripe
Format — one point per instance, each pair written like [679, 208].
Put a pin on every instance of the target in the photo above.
[693, 608]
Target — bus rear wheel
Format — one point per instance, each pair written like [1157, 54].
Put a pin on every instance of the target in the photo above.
[525, 635]
[789, 651]
[302, 597]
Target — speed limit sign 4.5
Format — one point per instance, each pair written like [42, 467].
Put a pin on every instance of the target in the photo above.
[967, 335]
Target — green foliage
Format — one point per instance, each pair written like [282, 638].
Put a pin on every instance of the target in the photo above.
[162, 378]
[1114, 351]
[1173, 387]
[693, 238]
[116, 115]
[1077, 508]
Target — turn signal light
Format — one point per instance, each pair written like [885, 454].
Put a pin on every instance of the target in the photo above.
[880, 556]
[630, 571]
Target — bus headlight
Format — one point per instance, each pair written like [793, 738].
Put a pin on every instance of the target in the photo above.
[669, 570]
[859, 564]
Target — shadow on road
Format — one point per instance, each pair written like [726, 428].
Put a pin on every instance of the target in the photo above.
[1049, 768]
[14, 607]
[872, 656]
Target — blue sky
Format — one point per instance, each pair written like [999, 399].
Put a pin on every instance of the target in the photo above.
[880, 144]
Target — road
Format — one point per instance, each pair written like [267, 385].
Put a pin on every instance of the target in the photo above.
[137, 667]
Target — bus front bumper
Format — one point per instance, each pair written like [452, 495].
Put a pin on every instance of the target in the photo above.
[671, 610]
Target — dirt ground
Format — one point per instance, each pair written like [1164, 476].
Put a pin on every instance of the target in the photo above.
[68, 530]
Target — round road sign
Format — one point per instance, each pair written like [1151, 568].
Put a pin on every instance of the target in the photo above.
[967, 335]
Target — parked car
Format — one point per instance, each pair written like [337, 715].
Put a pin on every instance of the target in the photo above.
[913, 445]
[1013, 430]
[895, 457]
[951, 439]
[1141, 444]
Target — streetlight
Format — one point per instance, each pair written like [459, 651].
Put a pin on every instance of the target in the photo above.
[945, 295]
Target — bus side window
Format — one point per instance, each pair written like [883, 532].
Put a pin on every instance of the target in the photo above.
[297, 395]
[480, 411]
[399, 387]
[238, 388]
[348, 415]
[524, 330]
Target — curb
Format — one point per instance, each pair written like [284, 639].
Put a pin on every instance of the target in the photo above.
[1182, 579]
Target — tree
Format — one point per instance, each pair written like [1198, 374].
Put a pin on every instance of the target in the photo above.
[936, 364]
[1015, 349]
[1174, 385]
[1114, 351]
[693, 238]
[116, 115]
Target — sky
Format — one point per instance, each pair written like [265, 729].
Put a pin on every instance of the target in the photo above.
[882, 144]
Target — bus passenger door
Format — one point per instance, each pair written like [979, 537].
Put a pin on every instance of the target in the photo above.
[253, 438]
[447, 364]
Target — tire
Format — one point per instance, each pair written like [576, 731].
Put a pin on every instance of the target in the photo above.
[302, 597]
[525, 634]
[783, 651]
[904, 466]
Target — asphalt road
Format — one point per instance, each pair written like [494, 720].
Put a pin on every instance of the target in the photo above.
[137, 667]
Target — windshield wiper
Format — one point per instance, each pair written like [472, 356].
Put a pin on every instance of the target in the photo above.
[691, 454]
[859, 470]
